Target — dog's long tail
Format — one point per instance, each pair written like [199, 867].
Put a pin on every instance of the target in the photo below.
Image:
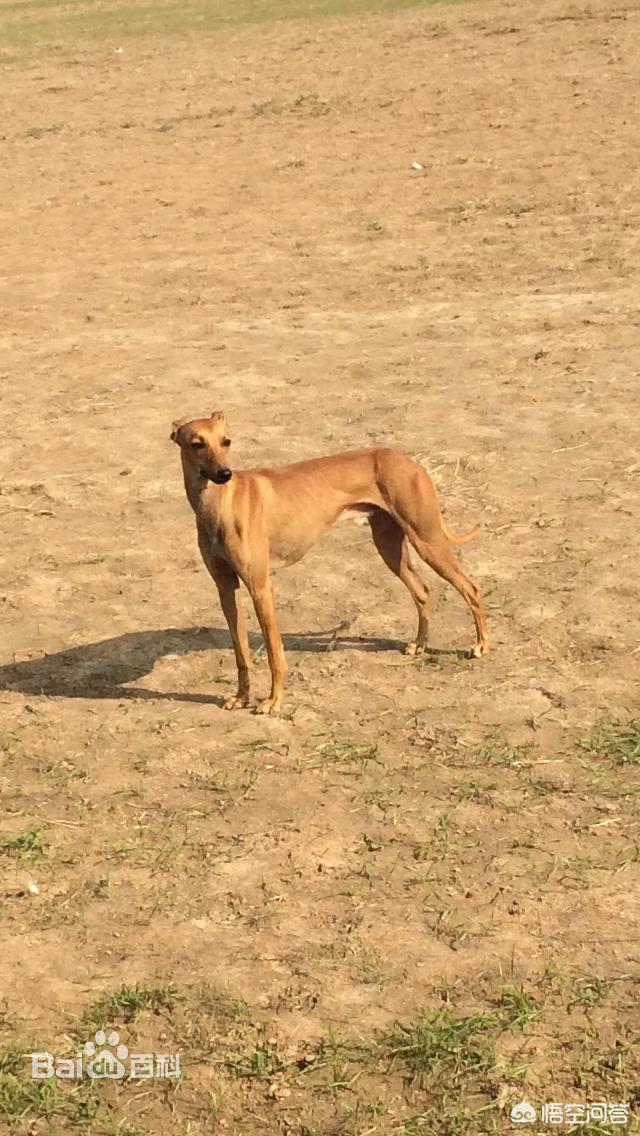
[460, 538]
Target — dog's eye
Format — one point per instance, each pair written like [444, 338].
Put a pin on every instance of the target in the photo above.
[196, 445]
[226, 441]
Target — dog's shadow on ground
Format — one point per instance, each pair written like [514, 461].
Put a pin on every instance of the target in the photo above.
[103, 670]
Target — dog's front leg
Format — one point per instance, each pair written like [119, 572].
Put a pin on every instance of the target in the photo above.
[228, 585]
[264, 603]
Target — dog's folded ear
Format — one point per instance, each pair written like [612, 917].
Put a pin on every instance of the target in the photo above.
[175, 430]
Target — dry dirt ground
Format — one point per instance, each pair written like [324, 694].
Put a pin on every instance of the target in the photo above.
[414, 900]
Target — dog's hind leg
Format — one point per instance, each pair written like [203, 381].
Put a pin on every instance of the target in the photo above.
[438, 554]
[390, 542]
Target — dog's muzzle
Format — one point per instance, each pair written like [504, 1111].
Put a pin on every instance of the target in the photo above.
[220, 477]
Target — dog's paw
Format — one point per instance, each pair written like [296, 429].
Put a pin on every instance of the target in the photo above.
[413, 649]
[236, 702]
[478, 650]
[269, 706]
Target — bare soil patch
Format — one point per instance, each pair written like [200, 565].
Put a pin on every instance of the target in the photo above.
[415, 900]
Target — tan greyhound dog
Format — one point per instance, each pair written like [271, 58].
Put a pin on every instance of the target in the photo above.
[253, 520]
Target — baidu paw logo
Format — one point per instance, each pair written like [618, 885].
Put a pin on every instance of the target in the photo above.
[106, 1064]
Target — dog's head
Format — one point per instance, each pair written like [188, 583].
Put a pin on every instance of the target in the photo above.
[205, 444]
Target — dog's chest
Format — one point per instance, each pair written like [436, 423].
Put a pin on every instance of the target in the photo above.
[224, 537]
[216, 539]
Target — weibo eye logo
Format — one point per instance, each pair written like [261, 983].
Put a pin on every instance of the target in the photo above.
[523, 1113]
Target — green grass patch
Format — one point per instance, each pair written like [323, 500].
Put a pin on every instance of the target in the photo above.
[519, 1006]
[615, 740]
[28, 845]
[125, 1005]
[590, 991]
[43, 27]
[445, 1068]
[439, 1041]
[21, 1097]
[498, 750]
[341, 752]
[219, 1003]
[261, 1061]
[12, 1058]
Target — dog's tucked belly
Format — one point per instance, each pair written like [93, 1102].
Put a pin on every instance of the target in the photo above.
[357, 513]
[284, 553]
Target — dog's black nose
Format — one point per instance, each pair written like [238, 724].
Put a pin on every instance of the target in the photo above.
[222, 475]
